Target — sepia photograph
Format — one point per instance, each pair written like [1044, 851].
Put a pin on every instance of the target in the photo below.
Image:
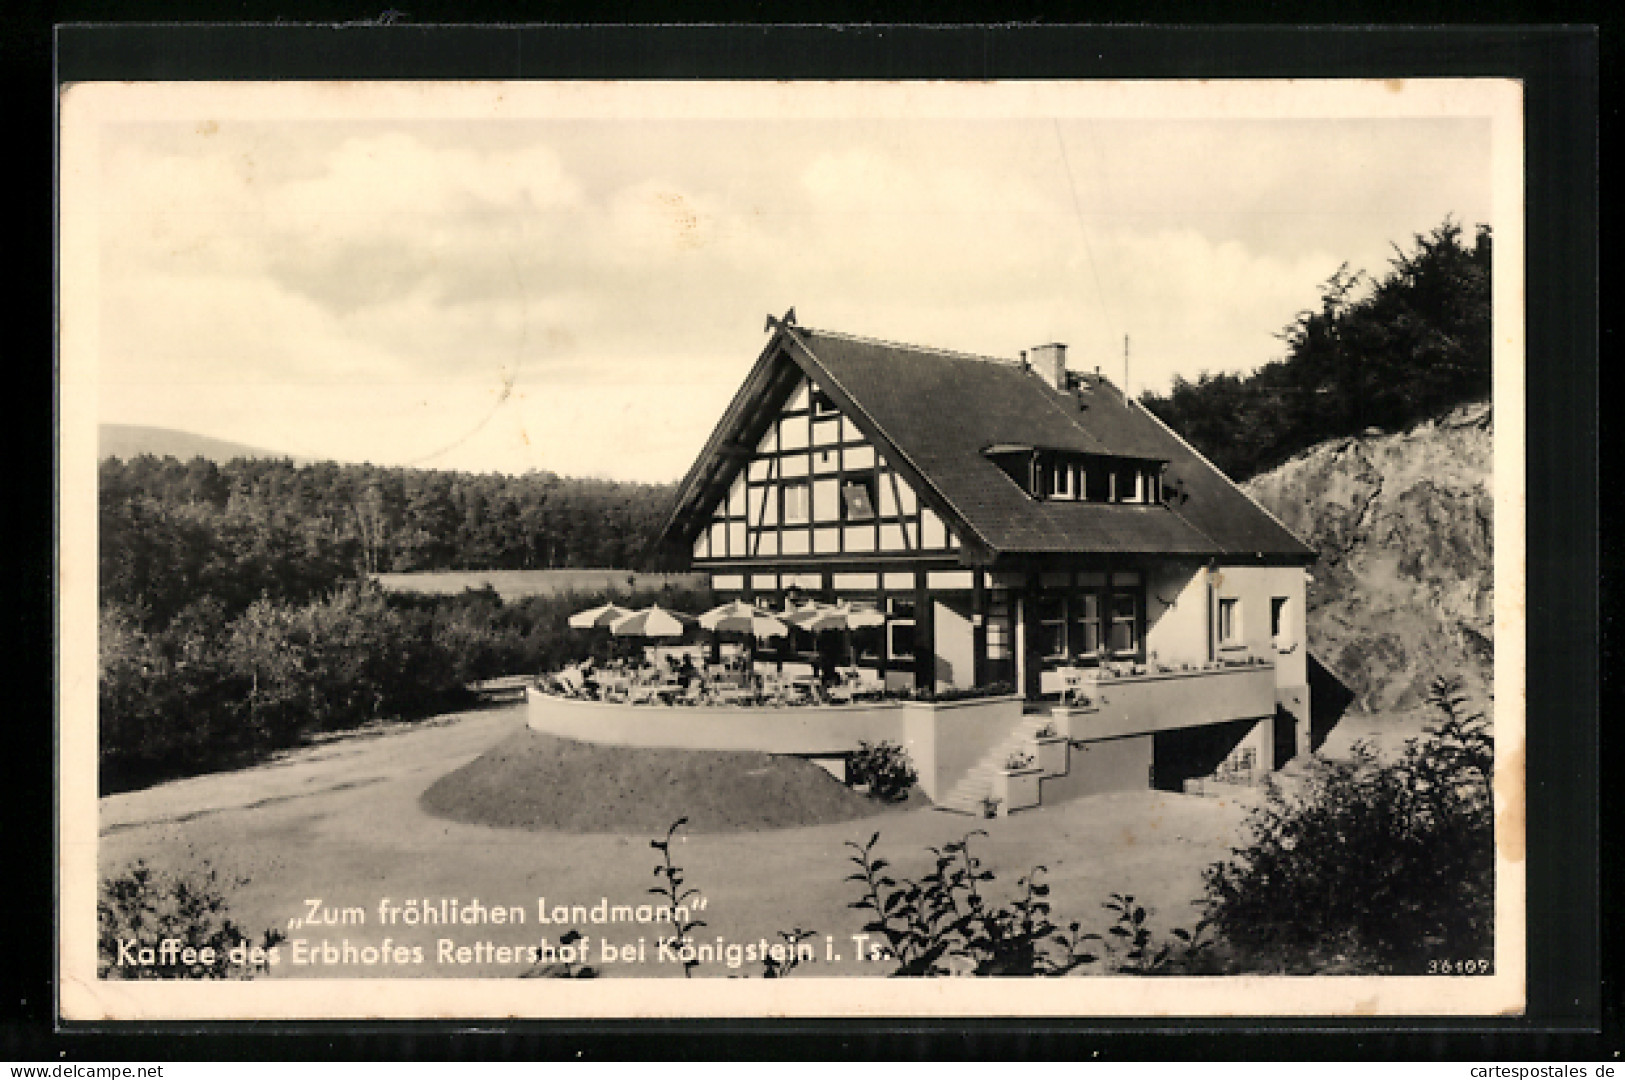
[640, 549]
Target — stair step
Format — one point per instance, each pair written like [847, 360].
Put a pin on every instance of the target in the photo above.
[976, 785]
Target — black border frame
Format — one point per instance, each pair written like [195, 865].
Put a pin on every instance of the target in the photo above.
[1573, 1011]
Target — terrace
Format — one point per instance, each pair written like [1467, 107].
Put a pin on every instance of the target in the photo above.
[711, 696]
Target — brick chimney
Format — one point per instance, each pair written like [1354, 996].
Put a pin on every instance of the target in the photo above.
[1050, 363]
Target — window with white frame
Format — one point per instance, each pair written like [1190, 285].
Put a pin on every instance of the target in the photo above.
[1085, 636]
[1063, 480]
[1052, 626]
[899, 628]
[1229, 620]
[797, 504]
[998, 627]
[1125, 622]
[1280, 634]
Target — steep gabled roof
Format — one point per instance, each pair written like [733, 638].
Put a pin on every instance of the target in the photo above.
[935, 413]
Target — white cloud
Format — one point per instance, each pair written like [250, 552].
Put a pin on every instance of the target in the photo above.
[602, 282]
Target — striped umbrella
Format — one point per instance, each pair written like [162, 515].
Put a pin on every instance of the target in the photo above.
[652, 622]
[738, 617]
[599, 617]
[836, 617]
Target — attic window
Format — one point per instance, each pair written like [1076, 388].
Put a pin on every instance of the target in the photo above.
[822, 405]
[858, 500]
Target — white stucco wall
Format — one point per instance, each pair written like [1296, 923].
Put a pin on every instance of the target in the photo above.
[1177, 614]
[954, 642]
[1253, 587]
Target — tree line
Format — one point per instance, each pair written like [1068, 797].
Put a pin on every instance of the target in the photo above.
[237, 616]
[173, 531]
[1382, 353]
[214, 687]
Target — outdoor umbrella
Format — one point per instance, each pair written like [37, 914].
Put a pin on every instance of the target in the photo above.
[836, 617]
[844, 617]
[599, 617]
[652, 622]
[739, 617]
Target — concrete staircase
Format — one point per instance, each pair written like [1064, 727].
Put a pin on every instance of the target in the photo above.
[966, 796]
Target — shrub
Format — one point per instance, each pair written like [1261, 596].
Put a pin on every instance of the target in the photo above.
[217, 687]
[944, 924]
[166, 699]
[885, 767]
[677, 897]
[1134, 950]
[963, 693]
[147, 907]
[941, 924]
[1375, 866]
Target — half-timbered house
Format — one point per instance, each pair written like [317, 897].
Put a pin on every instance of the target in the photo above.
[1017, 521]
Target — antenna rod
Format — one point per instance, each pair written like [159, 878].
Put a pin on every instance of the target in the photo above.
[1125, 366]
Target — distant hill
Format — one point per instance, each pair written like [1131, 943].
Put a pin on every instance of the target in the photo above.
[128, 441]
[1403, 523]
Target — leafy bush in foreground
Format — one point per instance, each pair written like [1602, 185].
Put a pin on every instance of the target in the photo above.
[944, 924]
[1372, 866]
[142, 908]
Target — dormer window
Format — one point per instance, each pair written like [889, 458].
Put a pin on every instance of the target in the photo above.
[1063, 481]
[1071, 476]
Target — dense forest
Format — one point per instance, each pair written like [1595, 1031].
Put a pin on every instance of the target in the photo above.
[1381, 353]
[236, 616]
[174, 531]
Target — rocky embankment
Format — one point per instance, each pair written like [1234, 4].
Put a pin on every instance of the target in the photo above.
[1403, 523]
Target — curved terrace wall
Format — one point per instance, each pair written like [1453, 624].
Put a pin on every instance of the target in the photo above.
[944, 739]
[805, 730]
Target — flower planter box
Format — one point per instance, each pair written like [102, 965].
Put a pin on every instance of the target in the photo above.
[1052, 754]
[1139, 704]
[1069, 720]
[1016, 789]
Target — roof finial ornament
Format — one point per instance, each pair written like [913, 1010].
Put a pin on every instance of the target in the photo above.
[775, 324]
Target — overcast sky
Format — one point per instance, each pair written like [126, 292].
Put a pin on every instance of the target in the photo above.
[585, 294]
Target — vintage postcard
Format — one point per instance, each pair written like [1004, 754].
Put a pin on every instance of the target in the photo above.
[592, 550]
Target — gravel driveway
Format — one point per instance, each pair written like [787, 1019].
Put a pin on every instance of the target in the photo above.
[337, 829]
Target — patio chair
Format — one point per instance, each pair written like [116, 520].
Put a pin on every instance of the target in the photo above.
[802, 691]
[868, 684]
[1072, 680]
[776, 690]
